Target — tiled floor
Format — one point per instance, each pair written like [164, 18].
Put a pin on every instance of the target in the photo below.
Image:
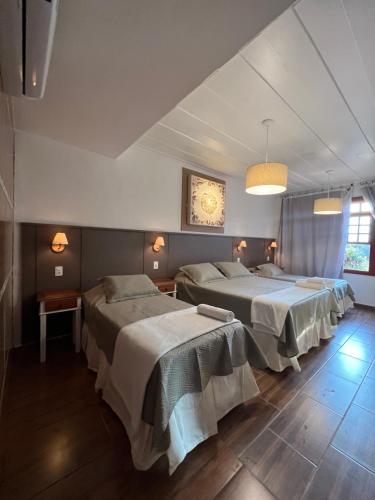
[309, 435]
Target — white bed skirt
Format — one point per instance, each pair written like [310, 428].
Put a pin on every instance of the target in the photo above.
[344, 305]
[194, 417]
[310, 337]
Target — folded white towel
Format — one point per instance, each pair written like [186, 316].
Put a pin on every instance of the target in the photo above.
[326, 281]
[216, 313]
[310, 284]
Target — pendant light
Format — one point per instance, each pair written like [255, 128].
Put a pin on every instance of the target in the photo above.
[328, 206]
[266, 178]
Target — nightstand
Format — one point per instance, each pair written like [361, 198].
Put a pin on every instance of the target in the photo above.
[167, 286]
[57, 302]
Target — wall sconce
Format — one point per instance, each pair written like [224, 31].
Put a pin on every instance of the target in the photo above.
[273, 245]
[159, 242]
[242, 244]
[59, 242]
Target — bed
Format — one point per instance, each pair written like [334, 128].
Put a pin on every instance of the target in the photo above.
[284, 320]
[168, 404]
[342, 290]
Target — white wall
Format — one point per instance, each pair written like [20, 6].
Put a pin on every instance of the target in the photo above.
[56, 183]
[364, 288]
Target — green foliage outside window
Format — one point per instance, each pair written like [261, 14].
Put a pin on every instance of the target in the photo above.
[357, 257]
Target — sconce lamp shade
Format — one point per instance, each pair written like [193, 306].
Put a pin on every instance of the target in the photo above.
[274, 244]
[59, 242]
[242, 244]
[159, 242]
[328, 206]
[266, 178]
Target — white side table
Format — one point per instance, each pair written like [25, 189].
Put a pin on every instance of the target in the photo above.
[58, 302]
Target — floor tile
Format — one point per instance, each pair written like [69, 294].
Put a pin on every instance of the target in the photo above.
[281, 469]
[212, 478]
[308, 426]
[356, 436]
[331, 390]
[33, 461]
[279, 388]
[105, 477]
[244, 423]
[258, 374]
[367, 327]
[371, 372]
[341, 336]
[340, 478]
[365, 397]
[244, 486]
[358, 350]
[347, 367]
[365, 337]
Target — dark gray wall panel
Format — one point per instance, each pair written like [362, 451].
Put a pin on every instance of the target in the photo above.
[29, 308]
[46, 259]
[6, 234]
[106, 252]
[150, 256]
[194, 248]
[256, 251]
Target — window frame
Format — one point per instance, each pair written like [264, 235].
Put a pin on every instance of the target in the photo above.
[371, 271]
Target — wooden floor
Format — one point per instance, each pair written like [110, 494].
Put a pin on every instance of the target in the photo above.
[309, 435]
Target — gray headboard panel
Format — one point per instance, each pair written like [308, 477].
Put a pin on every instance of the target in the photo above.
[256, 251]
[96, 252]
[106, 252]
[194, 248]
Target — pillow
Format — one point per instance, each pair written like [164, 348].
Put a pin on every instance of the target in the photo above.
[119, 288]
[202, 273]
[232, 269]
[270, 269]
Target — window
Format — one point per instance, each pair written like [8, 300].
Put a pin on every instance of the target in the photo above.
[360, 248]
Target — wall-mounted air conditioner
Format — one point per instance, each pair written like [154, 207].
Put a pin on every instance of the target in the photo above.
[27, 29]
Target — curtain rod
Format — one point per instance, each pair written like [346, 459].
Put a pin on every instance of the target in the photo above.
[347, 187]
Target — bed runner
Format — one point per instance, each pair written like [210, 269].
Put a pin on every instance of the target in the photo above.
[269, 311]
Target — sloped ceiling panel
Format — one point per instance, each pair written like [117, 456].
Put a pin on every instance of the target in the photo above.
[118, 66]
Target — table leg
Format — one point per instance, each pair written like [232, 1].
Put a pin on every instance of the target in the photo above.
[295, 364]
[43, 332]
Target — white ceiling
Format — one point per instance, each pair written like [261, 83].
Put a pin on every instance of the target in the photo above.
[313, 72]
[118, 66]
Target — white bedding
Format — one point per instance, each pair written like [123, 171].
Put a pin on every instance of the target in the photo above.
[194, 417]
[140, 345]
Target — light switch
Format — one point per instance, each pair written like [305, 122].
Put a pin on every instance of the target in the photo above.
[238, 259]
[156, 264]
[59, 270]
[268, 258]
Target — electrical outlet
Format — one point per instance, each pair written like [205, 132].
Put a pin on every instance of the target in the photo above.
[268, 258]
[59, 271]
[156, 264]
[238, 259]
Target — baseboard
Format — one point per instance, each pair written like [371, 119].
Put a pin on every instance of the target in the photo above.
[364, 306]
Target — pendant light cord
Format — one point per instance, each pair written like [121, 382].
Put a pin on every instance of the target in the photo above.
[329, 182]
[267, 130]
